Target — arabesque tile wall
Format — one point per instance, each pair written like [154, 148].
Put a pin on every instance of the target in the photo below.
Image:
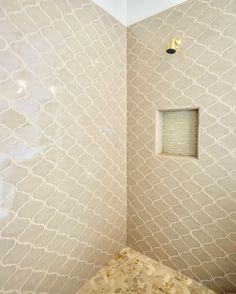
[62, 143]
[182, 211]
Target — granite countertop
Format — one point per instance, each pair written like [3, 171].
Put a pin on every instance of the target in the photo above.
[131, 272]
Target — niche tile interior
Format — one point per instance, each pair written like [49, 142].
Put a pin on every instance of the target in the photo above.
[177, 132]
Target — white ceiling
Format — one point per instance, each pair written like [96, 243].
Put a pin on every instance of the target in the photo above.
[117, 8]
[129, 12]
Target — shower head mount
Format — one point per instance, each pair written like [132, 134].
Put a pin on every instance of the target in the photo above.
[173, 46]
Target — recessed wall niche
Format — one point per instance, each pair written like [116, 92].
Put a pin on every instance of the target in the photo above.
[177, 132]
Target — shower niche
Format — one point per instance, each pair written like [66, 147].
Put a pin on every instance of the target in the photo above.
[177, 132]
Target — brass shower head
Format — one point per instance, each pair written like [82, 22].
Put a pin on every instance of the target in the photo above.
[173, 46]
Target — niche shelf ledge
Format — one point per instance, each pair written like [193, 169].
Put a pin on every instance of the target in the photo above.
[177, 132]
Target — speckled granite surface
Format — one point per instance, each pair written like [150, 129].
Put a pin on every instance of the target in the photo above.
[131, 272]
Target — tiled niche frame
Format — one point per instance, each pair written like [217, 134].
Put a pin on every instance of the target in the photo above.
[177, 132]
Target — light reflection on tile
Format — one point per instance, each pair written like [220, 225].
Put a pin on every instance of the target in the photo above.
[63, 181]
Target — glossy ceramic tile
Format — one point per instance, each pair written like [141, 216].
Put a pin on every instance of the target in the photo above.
[132, 272]
[182, 211]
[62, 143]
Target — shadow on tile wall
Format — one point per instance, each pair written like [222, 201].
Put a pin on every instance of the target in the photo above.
[63, 143]
[182, 211]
